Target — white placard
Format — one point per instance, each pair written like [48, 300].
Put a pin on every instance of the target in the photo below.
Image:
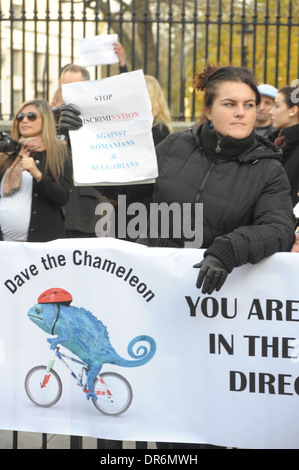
[115, 144]
[98, 50]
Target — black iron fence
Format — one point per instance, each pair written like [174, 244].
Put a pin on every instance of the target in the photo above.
[21, 440]
[170, 39]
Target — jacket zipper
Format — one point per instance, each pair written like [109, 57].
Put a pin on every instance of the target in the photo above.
[204, 182]
[218, 148]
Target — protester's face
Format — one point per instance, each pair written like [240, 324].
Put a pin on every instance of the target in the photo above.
[263, 110]
[29, 127]
[280, 112]
[233, 111]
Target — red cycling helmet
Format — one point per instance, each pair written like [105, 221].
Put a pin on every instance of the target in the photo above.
[55, 295]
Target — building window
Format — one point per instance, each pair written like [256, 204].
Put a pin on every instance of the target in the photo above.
[17, 62]
[40, 65]
[17, 100]
[18, 15]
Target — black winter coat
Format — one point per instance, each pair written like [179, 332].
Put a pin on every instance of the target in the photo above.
[48, 197]
[247, 208]
[290, 159]
[245, 192]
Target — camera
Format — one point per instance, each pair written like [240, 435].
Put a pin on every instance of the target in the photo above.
[7, 144]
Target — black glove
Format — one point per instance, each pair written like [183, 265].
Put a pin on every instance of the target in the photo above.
[212, 274]
[69, 119]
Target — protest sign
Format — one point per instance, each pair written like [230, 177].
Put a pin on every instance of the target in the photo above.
[115, 144]
[98, 50]
[221, 369]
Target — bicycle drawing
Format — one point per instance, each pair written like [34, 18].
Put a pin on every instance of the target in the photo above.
[43, 386]
[84, 335]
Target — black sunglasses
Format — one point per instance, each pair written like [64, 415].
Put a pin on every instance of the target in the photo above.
[31, 116]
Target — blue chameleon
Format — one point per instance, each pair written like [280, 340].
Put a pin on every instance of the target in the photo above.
[87, 337]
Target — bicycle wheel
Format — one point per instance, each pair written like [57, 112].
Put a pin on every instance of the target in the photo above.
[43, 388]
[114, 393]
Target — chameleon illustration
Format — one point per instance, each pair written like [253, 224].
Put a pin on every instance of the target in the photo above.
[84, 335]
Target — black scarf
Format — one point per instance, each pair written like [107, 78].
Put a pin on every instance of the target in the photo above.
[227, 146]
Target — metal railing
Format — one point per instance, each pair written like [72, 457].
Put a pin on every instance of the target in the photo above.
[41, 441]
[170, 39]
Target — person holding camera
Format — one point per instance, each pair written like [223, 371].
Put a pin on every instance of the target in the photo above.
[35, 177]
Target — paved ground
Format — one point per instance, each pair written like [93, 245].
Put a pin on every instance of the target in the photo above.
[30, 440]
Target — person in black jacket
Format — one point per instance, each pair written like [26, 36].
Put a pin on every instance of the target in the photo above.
[236, 175]
[285, 115]
[36, 180]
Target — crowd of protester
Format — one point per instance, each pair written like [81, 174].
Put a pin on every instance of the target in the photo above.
[241, 160]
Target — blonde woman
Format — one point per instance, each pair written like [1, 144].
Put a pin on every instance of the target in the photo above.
[162, 119]
[36, 181]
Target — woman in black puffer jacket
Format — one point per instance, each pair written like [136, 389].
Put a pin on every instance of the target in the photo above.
[235, 174]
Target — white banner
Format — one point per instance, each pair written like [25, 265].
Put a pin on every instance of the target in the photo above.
[115, 144]
[221, 369]
[98, 50]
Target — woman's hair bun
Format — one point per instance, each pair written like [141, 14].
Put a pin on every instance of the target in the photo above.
[213, 75]
[201, 79]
